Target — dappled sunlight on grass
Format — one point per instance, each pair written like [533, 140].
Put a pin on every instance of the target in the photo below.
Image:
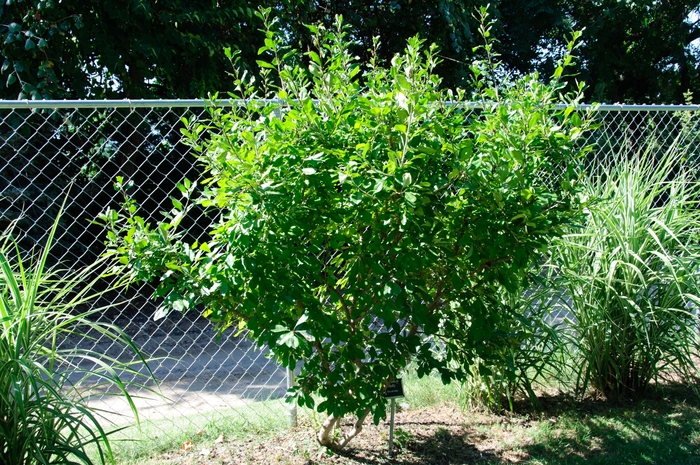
[431, 428]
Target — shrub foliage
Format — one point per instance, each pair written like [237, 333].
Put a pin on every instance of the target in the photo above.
[365, 216]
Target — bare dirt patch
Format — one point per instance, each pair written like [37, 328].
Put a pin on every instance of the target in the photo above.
[659, 428]
[438, 435]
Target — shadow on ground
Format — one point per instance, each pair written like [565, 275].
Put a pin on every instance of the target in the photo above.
[443, 447]
[660, 428]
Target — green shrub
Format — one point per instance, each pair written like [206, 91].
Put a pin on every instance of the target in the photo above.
[360, 214]
[44, 414]
[631, 273]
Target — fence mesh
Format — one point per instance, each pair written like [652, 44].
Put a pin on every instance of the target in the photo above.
[73, 152]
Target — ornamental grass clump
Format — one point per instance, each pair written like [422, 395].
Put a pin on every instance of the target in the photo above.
[365, 215]
[44, 413]
[632, 272]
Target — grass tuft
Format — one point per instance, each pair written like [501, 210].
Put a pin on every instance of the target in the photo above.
[631, 274]
[44, 412]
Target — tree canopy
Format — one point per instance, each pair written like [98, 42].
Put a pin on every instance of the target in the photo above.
[121, 48]
[632, 52]
[635, 52]
[639, 52]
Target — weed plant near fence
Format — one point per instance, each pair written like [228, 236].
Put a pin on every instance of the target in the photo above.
[45, 146]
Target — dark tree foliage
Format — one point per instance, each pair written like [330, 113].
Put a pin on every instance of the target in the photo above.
[527, 28]
[121, 48]
[636, 52]
[633, 52]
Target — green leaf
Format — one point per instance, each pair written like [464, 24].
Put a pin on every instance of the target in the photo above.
[401, 100]
[518, 156]
[302, 319]
[289, 339]
[315, 58]
[426, 150]
[387, 290]
[403, 82]
[264, 64]
[181, 305]
[378, 186]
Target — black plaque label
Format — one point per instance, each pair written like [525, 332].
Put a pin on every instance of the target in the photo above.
[394, 390]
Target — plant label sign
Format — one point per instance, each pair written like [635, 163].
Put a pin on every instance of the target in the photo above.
[394, 390]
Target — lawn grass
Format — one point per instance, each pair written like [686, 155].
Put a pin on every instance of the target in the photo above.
[429, 391]
[662, 428]
[137, 445]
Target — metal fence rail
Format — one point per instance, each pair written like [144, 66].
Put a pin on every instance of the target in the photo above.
[56, 150]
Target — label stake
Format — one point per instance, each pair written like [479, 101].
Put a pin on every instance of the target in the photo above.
[393, 390]
[391, 428]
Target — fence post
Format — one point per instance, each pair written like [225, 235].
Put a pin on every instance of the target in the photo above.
[292, 406]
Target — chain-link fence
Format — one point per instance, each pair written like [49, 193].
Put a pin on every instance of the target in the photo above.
[53, 151]
[74, 151]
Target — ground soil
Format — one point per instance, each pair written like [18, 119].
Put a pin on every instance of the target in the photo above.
[437, 435]
[447, 435]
